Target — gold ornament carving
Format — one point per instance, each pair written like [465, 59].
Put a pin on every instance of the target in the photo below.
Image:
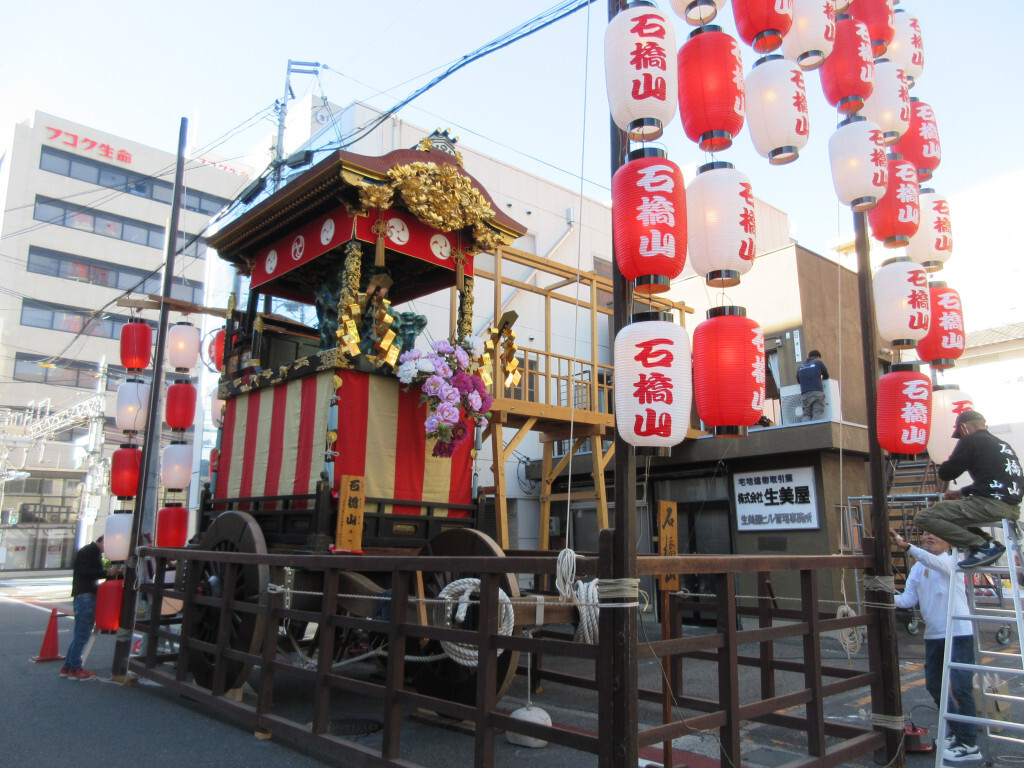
[440, 196]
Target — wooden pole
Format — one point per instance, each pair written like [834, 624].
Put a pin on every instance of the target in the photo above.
[886, 696]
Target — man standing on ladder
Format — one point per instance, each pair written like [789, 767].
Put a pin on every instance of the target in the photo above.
[993, 495]
[928, 587]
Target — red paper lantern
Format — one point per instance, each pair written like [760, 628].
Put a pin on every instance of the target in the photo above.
[216, 349]
[638, 46]
[920, 143]
[907, 47]
[762, 24]
[649, 220]
[711, 88]
[877, 15]
[932, 246]
[124, 471]
[945, 341]
[848, 75]
[181, 405]
[896, 217]
[171, 527]
[729, 371]
[136, 345]
[654, 390]
[904, 412]
[108, 604]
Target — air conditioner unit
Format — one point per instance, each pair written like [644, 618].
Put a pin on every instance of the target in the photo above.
[792, 405]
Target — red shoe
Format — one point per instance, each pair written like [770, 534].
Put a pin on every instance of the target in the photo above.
[64, 672]
[82, 674]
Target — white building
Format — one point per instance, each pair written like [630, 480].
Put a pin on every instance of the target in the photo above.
[85, 216]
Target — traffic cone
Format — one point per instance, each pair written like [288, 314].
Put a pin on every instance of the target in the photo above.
[50, 651]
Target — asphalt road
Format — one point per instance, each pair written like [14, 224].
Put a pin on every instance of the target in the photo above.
[49, 721]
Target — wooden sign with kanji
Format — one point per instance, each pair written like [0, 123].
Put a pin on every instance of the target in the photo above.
[668, 541]
[351, 498]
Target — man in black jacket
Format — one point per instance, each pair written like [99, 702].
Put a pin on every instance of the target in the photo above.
[993, 495]
[87, 571]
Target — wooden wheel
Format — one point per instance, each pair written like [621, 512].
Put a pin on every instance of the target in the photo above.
[229, 532]
[447, 679]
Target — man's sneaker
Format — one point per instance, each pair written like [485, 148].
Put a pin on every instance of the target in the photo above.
[981, 556]
[64, 672]
[961, 753]
[82, 674]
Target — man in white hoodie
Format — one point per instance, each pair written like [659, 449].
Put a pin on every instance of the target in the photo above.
[928, 587]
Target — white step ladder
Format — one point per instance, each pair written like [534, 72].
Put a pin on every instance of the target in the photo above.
[1008, 664]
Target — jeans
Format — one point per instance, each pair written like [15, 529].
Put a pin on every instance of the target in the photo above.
[813, 404]
[961, 688]
[85, 618]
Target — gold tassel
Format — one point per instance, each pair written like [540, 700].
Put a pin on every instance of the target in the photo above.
[380, 228]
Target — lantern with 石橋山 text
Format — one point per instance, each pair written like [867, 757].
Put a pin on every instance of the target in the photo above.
[920, 142]
[813, 34]
[902, 302]
[848, 74]
[945, 341]
[777, 109]
[932, 246]
[903, 415]
[860, 169]
[711, 88]
[877, 16]
[896, 217]
[640, 73]
[722, 225]
[762, 25]
[654, 390]
[948, 402]
[907, 47]
[649, 220]
[729, 371]
[888, 106]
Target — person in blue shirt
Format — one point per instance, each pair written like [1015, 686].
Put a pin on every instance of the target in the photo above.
[811, 373]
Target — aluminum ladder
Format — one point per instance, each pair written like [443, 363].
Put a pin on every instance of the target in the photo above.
[1008, 664]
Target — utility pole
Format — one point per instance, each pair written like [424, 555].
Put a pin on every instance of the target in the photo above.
[625, 681]
[122, 646]
[299, 68]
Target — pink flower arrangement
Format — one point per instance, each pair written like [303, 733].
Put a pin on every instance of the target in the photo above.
[450, 386]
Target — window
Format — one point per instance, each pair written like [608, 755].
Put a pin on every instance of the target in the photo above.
[41, 314]
[111, 225]
[110, 176]
[44, 261]
[63, 372]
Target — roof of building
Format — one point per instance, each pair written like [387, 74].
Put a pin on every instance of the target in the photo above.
[988, 336]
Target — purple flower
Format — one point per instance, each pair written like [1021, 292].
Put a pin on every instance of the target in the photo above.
[447, 413]
[432, 423]
[440, 366]
[462, 357]
[482, 422]
[448, 394]
[463, 382]
[410, 354]
[474, 401]
[479, 386]
[459, 433]
[443, 346]
[485, 404]
[443, 450]
[433, 385]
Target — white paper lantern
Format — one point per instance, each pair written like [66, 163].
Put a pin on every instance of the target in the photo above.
[176, 466]
[182, 346]
[902, 303]
[697, 12]
[640, 70]
[117, 534]
[132, 405]
[653, 389]
[777, 109]
[932, 246]
[948, 402]
[889, 103]
[216, 409]
[722, 227]
[907, 47]
[859, 166]
[809, 41]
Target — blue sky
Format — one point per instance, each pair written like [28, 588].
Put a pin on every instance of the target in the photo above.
[134, 69]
